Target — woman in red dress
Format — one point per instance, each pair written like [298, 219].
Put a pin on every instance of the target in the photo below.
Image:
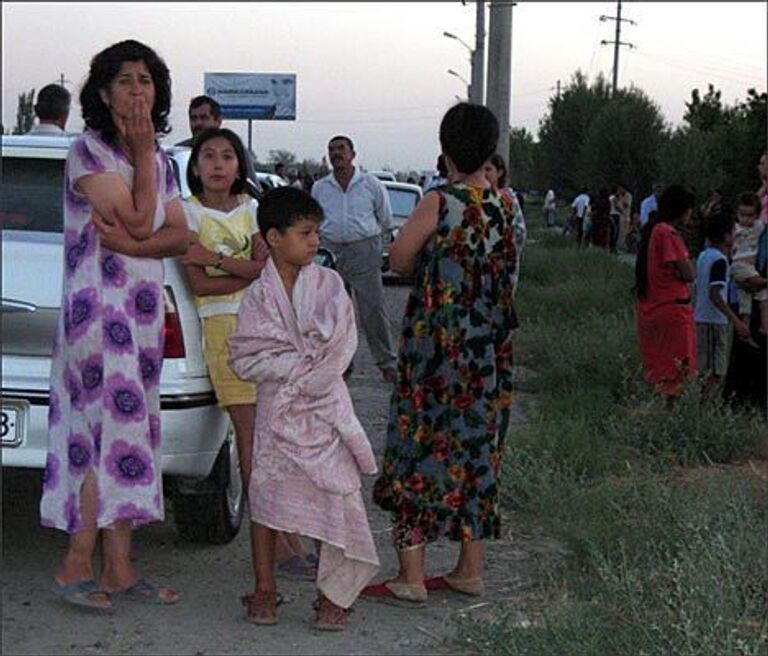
[663, 273]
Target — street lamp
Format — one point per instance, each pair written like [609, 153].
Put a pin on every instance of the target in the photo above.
[470, 90]
[464, 43]
[469, 86]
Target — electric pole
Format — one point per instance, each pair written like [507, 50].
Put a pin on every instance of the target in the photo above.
[500, 69]
[478, 56]
[616, 43]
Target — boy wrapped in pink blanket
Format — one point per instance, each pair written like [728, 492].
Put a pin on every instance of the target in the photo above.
[295, 337]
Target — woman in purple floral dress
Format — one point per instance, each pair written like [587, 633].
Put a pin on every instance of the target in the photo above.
[122, 215]
[450, 409]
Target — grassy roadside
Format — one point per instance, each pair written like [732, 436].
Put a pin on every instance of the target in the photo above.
[663, 515]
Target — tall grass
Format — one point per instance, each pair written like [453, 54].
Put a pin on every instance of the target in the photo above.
[667, 553]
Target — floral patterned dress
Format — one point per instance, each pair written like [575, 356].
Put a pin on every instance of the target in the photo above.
[104, 412]
[450, 410]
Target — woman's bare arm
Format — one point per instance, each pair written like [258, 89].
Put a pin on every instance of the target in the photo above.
[170, 240]
[417, 231]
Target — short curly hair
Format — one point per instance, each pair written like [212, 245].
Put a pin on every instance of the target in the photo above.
[104, 68]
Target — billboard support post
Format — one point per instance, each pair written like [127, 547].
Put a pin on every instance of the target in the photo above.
[250, 141]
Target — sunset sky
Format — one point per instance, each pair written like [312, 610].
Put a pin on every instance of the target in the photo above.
[378, 71]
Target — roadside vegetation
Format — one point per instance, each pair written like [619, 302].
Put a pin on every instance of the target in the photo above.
[662, 515]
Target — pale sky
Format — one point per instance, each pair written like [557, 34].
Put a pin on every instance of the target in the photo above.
[378, 71]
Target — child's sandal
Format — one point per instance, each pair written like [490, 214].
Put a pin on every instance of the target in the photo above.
[329, 616]
[261, 607]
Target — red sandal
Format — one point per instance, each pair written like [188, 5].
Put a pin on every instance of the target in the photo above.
[329, 616]
[261, 606]
[396, 594]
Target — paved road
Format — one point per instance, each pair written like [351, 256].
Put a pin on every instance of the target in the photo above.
[210, 620]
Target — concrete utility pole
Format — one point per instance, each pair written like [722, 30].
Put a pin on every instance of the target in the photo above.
[616, 43]
[500, 69]
[478, 57]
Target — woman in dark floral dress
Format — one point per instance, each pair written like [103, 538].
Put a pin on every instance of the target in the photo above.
[450, 409]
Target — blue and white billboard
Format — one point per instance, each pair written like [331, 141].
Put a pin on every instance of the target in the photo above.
[264, 96]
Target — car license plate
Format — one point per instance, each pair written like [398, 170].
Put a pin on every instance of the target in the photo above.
[13, 426]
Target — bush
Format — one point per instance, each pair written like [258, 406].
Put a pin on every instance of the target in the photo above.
[662, 558]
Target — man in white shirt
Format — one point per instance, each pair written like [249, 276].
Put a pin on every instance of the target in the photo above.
[650, 204]
[357, 212]
[52, 110]
[579, 208]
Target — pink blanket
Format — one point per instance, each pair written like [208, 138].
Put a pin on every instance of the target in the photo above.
[309, 447]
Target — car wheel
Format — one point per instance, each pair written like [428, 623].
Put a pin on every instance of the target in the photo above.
[210, 510]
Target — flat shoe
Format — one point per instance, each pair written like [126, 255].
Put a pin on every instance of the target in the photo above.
[146, 592]
[81, 594]
[473, 587]
[261, 607]
[298, 568]
[403, 595]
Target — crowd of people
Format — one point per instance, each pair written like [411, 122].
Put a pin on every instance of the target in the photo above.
[706, 316]
[279, 332]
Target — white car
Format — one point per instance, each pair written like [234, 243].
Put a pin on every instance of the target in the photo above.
[403, 198]
[384, 175]
[199, 459]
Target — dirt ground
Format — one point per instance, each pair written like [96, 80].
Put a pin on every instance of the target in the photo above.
[209, 619]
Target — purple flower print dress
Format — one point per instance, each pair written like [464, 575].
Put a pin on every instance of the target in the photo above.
[104, 414]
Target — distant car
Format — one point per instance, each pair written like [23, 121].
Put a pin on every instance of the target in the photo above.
[403, 197]
[270, 180]
[384, 175]
[199, 458]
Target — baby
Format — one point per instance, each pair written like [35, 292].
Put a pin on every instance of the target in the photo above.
[746, 236]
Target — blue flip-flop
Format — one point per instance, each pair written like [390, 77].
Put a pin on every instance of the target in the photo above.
[298, 568]
[146, 592]
[81, 594]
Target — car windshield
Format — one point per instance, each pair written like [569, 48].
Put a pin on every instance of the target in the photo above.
[31, 196]
[402, 201]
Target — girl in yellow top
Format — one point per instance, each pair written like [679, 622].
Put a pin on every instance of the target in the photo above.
[225, 255]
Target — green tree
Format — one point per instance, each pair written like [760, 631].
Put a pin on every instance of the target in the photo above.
[722, 154]
[623, 142]
[563, 133]
[280, 155]
[521, 157]
[25, 112]
[705, 113]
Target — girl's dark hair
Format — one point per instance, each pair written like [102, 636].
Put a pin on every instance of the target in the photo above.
[281, 207]
[193, 179]
[498, 161]
[469, 135]
[104, 68]
[674, 201]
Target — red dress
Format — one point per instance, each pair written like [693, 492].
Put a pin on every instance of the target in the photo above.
[665, 328]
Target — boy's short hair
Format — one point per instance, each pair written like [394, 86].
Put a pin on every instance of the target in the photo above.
[748, 199]
[282, 207]
[718, 226]
[469, 135]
